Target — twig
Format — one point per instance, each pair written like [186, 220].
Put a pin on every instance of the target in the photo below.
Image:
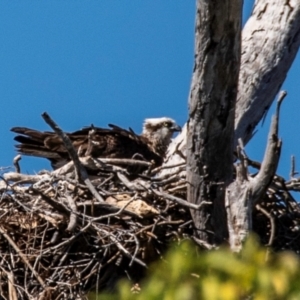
[16, 163]
[19, 252]
[81, 171]
[72, 238]
[293, 164]
[111, 208]
[55, 204]
[177, 171]
[158, 169]
[181, 201]
[271, 157]
[125, 162]
[20, 178]
[73, 216]
[181, 187]
[122, 249]
[272, 223]
[169, 179]
[130, 185]
[203, 244]
[137, 243]
[11, 286]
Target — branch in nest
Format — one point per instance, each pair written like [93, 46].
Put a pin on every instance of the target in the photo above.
[81, 171]
[22, 256]
[163, 167]
[272, 223]
[16, 163]
[181, 201]
[73, 216]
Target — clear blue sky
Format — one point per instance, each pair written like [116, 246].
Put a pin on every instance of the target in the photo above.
[106, 62]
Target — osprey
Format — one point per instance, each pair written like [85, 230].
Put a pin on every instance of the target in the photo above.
[113, 142]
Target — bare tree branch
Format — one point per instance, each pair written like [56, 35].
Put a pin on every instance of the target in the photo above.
[270, 42]
[271, 158]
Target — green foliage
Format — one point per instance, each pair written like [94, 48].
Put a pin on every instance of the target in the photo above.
[186, 274]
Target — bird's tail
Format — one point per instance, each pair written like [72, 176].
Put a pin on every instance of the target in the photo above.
[32, 143]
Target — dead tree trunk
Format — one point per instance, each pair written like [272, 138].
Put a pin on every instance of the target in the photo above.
[270, 41]
[211, 113]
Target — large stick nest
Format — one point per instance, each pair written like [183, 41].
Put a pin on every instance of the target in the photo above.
[58, 240]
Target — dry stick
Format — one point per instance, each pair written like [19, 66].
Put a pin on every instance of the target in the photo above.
[38, 258]
[26, 208]
[167, 180]
[14, 176]
[178, 188]
[284, 187]
[56, 205]
[181, 201]
[110, 208]
[203, 243]
[61, 261]
[133, 186]
[73, 216]
[176, 222]
[81, 171]
[11, 286]
[95, 164]
[177, 171]
[121, 248]
[293, 172]
[16, 163]
[271, 157]
[124, 161]
[90, 223]
[158, 224]
[19, 252]
[293, 185]
[86, 267]
[272, 222]
[158, 169]
[137, 243]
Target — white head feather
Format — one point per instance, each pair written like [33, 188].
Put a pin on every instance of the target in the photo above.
[159, 132]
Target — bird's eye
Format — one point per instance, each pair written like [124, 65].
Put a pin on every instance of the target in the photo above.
[166, 124]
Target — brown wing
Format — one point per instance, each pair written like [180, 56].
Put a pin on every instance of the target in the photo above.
[119, 143]
[97, 142]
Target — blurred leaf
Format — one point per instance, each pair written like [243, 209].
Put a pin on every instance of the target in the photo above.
[188, 274]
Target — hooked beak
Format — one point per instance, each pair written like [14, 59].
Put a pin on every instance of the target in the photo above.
[176, 128]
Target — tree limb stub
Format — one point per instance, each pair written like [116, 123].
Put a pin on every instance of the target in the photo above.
[245, 192]
[271, 157]
[211, 112]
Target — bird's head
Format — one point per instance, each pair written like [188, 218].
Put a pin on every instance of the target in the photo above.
[159, 131]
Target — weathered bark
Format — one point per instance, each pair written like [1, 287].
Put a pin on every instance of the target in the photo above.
[270, 42]
[211, 113]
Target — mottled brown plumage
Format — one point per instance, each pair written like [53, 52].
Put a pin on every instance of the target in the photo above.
[114, 142]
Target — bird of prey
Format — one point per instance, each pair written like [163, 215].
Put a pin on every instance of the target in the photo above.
[113, 142]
